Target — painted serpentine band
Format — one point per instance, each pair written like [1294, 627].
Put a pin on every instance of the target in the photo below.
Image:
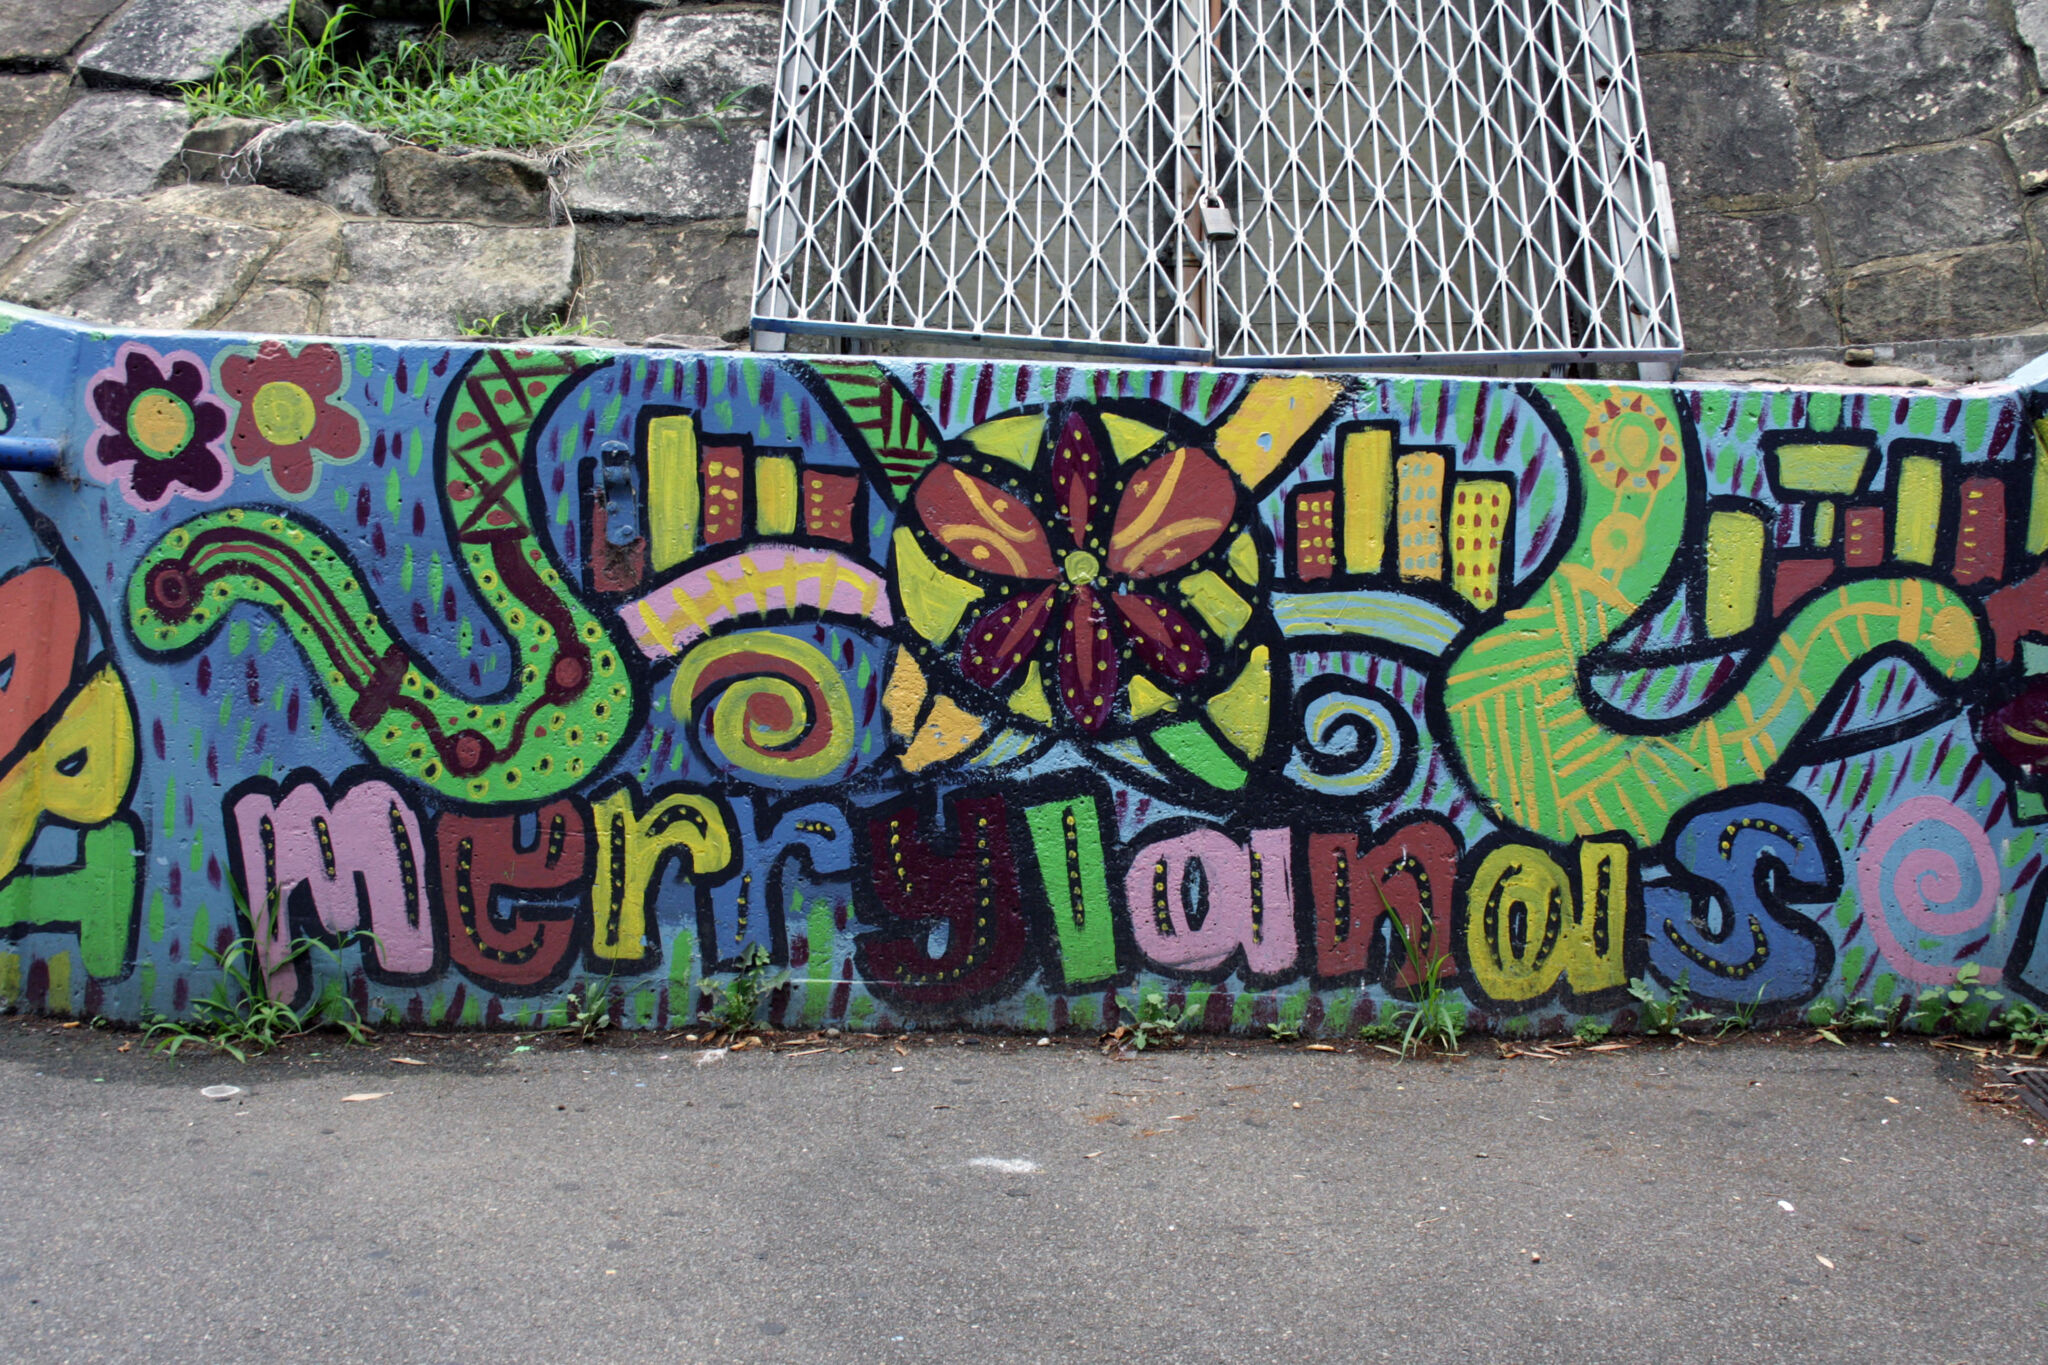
[571, 698]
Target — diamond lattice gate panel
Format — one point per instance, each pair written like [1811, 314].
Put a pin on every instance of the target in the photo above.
[1437, 178]
[1273, 181]
[1006, 172]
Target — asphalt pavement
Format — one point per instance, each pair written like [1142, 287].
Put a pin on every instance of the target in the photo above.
[995, 1200]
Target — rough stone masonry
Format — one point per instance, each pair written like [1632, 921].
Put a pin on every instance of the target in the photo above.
[1851, 173]
[115, 206]
[1847, 175]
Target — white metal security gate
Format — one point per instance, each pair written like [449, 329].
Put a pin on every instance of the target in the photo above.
[1271, 181]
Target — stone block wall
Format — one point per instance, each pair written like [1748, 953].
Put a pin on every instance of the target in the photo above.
[1850, 172]
[116, 208]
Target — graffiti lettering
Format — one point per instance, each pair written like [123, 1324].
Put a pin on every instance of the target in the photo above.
[1528, 924]
[1410, 873]
[632, 843]
[504, 929]
[313, 863]
[953, 929]
[815, 840]
[69, 847]
[1726, 922]
[994, 691]
[1199, 899]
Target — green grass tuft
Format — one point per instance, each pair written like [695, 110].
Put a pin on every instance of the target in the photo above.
[549, 105]
[514, 327]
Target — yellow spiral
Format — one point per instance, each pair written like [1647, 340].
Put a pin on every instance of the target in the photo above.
[779, 708]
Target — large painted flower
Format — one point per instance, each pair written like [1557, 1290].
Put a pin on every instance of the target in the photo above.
[1076, 571]
[290, 411]
[157, 429]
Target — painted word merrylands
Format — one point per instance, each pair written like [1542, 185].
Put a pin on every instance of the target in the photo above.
[982, 692]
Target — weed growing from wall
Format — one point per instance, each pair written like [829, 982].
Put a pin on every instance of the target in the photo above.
[1436, 1017]
[736, 1009]
[1153, 1022]
[512, 326]
[550, 104]
[242, 1015]
[1669, 1012]
[2026, 1026]
[590, 1012]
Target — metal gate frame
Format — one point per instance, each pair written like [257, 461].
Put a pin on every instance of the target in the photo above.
[1114, 178]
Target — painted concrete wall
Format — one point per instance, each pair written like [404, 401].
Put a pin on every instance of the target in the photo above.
[981, 692]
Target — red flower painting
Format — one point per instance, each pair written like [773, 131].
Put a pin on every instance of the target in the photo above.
[1075, 565]
[290, 411]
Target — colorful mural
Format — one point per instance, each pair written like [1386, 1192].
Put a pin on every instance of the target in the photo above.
[985, 692]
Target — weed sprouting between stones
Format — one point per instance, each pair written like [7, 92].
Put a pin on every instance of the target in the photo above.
[551, 103]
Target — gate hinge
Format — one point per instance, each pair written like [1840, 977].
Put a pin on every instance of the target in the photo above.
[757, 189]
[1667, 216]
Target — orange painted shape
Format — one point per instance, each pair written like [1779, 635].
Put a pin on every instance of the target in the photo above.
[829, 502]
[1796, 577]
[40, 608]
[725, 494]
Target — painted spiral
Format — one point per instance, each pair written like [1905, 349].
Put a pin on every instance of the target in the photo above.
[572, 701]
[766, 706]
[1356, 740]
[1927, 872]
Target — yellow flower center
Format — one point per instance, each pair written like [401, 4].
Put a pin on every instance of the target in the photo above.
[160, 423]
[283, 412]
[1082, 567]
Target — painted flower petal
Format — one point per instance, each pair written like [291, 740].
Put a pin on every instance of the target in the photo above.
[998, 644]
[198, 469]
[291, 466]
[320, 370]
[1166, 641]
[983, 526]
[143, 370]
[209, 422]
[186, 380]
[1077, 478]
[1171, 512]
[111, 397]
[1088, 672]
[335, 432]
[316, 420]
[175, 451]
[238, 376]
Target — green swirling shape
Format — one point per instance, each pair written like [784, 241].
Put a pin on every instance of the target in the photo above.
[1513, 694]
[572, 698]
